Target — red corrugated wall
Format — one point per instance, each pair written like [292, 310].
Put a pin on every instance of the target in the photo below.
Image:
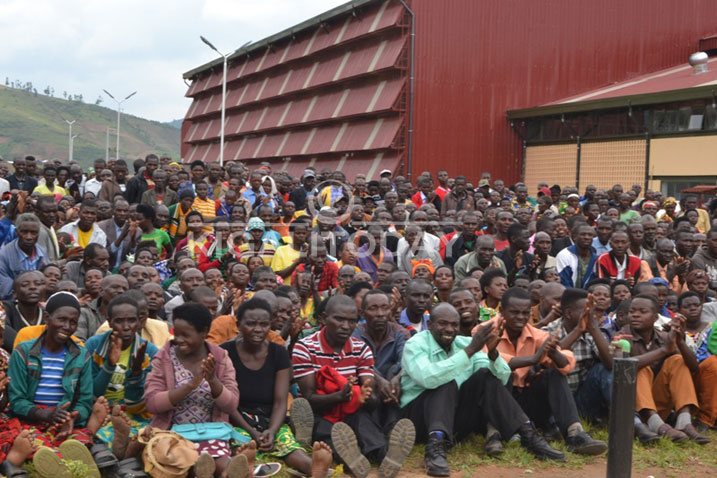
[475, 59]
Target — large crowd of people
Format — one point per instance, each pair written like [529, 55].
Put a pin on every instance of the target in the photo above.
[227, 321]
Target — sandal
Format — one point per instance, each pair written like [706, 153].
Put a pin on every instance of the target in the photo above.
[103, 456]
[74, 450]
[48, 465]
[130, 468]
[266, 469]
[11, 471]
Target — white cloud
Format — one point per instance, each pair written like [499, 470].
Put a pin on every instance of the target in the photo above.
[82, 47]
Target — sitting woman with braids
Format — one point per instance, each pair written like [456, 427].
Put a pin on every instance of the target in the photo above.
[50, 393]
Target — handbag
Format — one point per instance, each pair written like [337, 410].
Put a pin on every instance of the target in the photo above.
[197, 432]
[166, 454]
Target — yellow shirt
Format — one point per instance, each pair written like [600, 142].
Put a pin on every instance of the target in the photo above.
[283, 258]
[83, 237]
[115, 389]
[208, 209]
[33, 332]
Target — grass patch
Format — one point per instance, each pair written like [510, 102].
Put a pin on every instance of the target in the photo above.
[468, 457]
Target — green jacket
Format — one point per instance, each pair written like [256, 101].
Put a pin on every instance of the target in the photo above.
[99, 348]
[26, 367]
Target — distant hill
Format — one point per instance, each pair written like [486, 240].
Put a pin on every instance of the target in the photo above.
[33, 124]
[175, 124]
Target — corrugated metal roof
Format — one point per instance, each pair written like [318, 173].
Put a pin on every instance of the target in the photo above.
[671, 84]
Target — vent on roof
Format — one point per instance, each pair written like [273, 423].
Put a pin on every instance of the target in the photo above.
[698, 61]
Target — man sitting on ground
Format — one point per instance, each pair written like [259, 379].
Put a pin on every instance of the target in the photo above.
[539, 368]
[450, 389]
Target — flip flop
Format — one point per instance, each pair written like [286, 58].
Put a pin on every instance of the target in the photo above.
[346, 445]
[103, 456]
[400, 444]
[48, 465]
[74, 450]
[267, 469]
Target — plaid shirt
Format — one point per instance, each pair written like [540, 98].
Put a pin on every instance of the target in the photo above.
[584, 350]
[328, 279]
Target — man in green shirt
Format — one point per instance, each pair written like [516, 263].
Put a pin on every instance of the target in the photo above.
[146, 216]
[446, 376]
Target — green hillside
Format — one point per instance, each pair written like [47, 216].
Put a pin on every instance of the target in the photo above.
[33, 124]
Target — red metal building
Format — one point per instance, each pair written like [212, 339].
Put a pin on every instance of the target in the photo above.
[336, 90]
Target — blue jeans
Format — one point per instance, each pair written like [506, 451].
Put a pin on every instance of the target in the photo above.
[593, 396]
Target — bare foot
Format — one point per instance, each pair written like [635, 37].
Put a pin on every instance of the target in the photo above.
[21, 449]
[320, 460]
[134, 448]
[122, 426]
[100, 414]
[249, 449]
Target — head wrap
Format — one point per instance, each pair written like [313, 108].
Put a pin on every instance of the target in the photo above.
[422, 263]
[670, 201]
[255, 223]
[649, 203]
[697, 274]
[61, 299]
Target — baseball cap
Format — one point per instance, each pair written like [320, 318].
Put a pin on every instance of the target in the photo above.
[385, 171]
[483, 183]
[545, 191]
[308, 174]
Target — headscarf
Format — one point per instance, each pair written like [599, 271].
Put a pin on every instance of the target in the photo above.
[422, 263]
[255, 223]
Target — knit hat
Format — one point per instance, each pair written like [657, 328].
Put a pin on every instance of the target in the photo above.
[255, 223]
[186, 193]
[61, 299]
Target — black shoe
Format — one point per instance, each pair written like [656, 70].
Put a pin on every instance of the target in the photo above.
[644, 434]
[553, 434]
[701, 427]
[435, 458]
[584, 444]
[494, 445]
[535, 444]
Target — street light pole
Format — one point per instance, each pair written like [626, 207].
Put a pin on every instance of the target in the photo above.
[72, 145]
[119, 110]
[224, 98]
[69, 136]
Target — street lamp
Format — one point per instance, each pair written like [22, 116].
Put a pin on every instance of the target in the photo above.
[69, 135]
[224, 97]
[119, 109]
[72, 145]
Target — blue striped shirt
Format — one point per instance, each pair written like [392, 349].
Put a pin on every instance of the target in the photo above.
[49, 390]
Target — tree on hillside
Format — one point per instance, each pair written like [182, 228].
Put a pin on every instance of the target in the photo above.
[7, 81]
[98, 101]
[64, 94]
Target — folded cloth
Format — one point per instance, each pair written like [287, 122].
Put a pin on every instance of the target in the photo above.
[328, 381]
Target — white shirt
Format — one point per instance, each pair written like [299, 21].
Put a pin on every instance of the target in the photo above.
[430, 242]
[93, 186]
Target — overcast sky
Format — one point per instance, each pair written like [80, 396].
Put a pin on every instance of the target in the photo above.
[84, 46]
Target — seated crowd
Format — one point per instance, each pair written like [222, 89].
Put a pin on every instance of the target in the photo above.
[227, 322]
